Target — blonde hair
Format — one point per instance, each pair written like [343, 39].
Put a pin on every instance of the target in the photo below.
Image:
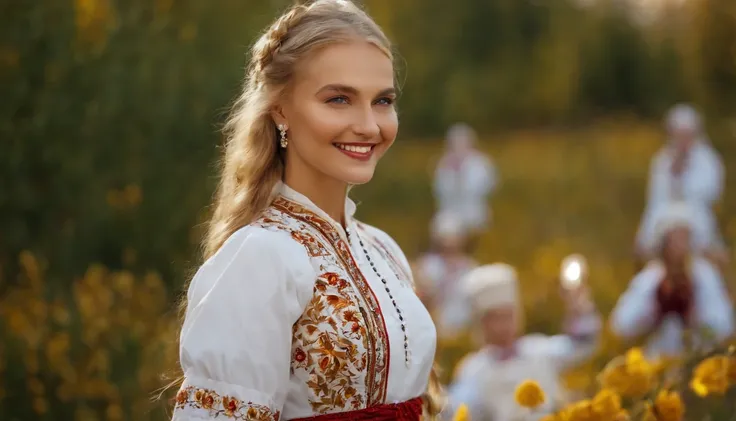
[253, 164]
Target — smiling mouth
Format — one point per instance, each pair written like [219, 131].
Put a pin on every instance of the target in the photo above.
[359, 152]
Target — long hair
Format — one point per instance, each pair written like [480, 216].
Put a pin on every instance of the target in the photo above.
[252, 163]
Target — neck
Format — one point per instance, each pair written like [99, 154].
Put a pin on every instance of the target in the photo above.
[327, 194]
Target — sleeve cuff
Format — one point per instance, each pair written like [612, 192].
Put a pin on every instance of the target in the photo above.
[205, 399]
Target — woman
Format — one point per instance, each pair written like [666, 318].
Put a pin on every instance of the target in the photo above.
[300, 311]
[687, 169]
[463, 179]
[440, 272]
[675, 293]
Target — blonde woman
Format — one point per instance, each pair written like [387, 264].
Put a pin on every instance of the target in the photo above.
[300, 311]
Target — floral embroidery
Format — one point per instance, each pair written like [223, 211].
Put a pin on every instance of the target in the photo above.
[226, 406]
[340, 346]
[325, 339]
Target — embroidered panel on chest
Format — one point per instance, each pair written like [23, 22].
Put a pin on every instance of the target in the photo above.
[331, 349]
[340, 345]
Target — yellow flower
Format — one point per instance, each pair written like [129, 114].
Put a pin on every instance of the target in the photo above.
[607, 404]
[580, 411]
[629, 376]
[710, 377]
[529, 394]
[667, 406]
[461, 414]
[550, 417]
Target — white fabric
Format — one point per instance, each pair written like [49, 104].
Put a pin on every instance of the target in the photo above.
[635, 311]
[443, 280]
[491, 286]
[447, 225]
[487, 385]
[700, 186]
[683, 117]
[236, 339]
[464, 190]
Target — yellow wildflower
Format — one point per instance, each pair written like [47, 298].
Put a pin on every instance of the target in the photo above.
[710, 377]
[550, 417]
[607, 404]
[629, 376]
[623, 415]
[667, 406]
[529, 394]
[580, 411]
[461, 414]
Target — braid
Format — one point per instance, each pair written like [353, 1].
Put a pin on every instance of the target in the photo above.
[269, 44]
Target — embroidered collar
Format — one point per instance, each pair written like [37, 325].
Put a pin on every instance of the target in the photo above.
[287, 192]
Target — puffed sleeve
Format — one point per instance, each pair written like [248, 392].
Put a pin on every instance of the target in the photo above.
[714, 310]
[710, 176]
[636, 310]
[235, 344]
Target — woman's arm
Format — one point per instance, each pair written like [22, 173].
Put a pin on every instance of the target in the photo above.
[235, 346]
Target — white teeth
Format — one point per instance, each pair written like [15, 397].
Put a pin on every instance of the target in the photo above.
[353, 148]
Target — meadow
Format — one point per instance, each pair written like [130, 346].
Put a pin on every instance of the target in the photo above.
[102, 349]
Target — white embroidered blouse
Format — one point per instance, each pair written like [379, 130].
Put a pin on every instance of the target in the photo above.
[292, 319]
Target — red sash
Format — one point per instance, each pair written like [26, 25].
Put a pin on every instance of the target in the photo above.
[410, 410]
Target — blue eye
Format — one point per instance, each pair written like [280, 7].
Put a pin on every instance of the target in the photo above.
[385, 101]
[338, 100]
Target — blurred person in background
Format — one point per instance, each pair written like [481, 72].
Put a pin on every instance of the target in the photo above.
[687, 169]
[300, 311]
[675, 292]
[440, 271]
[487, 380]
[464, 179]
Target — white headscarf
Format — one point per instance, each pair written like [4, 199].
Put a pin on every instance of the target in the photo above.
[460, 136]
[685, 117]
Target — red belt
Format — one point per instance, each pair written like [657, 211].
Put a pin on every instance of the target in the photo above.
[410, 410]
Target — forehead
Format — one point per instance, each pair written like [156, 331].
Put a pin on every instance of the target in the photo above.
[358, 64]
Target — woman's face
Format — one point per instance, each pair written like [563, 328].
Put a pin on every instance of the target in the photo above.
[683, 138]
[340, 114]
[501, 325]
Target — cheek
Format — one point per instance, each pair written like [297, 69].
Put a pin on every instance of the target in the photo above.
[389, 125]
[320, 124]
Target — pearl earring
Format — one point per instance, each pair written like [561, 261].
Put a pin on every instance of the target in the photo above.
[284, 141]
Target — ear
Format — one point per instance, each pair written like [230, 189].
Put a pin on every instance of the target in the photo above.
[277, 114]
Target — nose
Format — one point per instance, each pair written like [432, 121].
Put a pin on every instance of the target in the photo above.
[366, 123]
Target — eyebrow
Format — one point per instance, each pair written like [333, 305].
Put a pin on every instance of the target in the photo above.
[352, 91]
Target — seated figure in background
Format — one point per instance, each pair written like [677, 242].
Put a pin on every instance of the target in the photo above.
[675, 292]
[487, 380]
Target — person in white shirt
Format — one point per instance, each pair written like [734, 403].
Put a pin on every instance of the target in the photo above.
[440, 272]
[687, 169]
[301, 312]
[674, 292]
[487, 380]
[464, 179]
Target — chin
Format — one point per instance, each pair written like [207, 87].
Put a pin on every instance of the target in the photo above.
[357, 176]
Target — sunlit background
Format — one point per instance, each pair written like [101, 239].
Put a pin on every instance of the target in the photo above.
[109, 119]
